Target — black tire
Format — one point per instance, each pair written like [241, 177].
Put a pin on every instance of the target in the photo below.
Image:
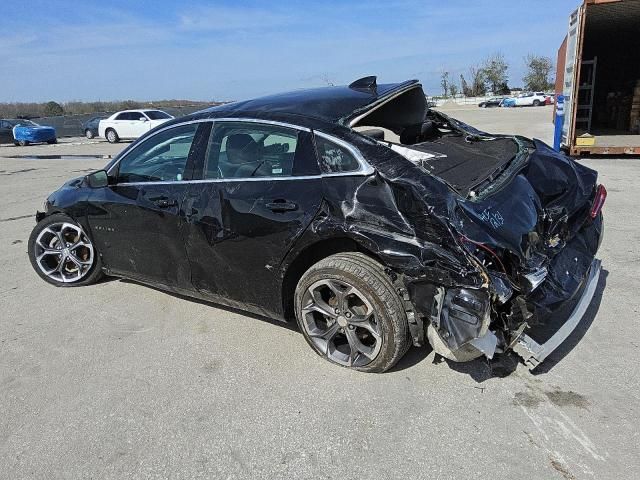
[111, 135]
[17, 144]
[52, 142]
[23, 143]
[88, 133]
[369, 278]
[91, 275]
[536, 103]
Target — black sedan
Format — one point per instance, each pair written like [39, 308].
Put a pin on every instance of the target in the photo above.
[90, 127]
[374, 222]
[491, 102]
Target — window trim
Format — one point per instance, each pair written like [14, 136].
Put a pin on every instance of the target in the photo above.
[364, 170]
[116, 165]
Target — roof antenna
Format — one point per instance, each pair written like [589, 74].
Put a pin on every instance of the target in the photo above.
[365, 83]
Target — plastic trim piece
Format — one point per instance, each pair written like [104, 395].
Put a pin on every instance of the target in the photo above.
[375, 106]
[532, 352]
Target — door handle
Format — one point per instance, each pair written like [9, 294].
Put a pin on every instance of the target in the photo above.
[281, 206]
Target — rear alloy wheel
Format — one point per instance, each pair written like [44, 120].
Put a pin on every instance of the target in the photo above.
[350, 313]
[23, 143]
[88, 133]
[62, 253]
[536, 103]
[112, 136]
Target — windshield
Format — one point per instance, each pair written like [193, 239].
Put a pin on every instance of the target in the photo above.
[26, 123]
[157, 115]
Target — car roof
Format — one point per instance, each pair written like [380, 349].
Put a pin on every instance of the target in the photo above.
[330, 104]
[17, 120]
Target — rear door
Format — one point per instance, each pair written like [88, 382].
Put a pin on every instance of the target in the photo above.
[137, 221]
[122, 124]
[259, 191]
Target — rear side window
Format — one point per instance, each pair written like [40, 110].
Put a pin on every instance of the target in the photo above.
[254, 150]
[157, 115]
[334, 158]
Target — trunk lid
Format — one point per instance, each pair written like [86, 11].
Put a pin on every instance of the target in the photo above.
[530, 219]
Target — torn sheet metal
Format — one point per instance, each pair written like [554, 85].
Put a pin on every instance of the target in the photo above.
[524, 236]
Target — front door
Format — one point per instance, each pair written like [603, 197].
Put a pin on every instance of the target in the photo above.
[260, 190]
[136, 223]
[139, 125]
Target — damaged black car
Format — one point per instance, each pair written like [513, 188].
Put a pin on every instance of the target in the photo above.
[372, 220]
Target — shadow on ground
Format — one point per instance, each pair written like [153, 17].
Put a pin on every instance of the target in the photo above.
[480, 370]
[289, 325]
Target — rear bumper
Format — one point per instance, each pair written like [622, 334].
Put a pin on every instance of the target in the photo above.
[534, 353]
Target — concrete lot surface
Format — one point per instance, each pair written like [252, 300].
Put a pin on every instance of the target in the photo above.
[118, 380]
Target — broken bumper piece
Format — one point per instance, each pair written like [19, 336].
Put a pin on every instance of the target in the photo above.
[534, 353]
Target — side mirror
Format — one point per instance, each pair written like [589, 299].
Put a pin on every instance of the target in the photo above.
[98, 179]
[144, 119]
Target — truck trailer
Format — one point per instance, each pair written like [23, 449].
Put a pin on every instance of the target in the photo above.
[599, 76]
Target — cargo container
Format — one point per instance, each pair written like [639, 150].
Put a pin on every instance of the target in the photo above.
[599, 75]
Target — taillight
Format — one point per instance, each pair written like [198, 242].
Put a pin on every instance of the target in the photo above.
[598, 202]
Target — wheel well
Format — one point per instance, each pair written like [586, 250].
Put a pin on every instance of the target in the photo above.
[309, 256]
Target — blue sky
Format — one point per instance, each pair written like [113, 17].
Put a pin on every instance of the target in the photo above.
[228, 50]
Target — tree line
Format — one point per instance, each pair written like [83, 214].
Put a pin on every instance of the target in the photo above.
[492, 75]
[52, 109]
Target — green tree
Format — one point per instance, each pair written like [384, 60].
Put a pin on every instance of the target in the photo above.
[444, 83]
[51, 109]
[466, 89]
[453, 89]
[495, 71]
[539, 70]
[478, 81]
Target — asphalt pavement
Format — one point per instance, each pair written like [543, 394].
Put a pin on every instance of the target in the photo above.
[119, 380]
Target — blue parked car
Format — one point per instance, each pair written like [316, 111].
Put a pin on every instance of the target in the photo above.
[26, 132]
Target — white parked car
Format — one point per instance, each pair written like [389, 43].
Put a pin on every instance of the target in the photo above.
[130, 124]
[531, 99]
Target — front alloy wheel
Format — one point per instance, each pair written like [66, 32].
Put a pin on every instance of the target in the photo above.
[62, 253]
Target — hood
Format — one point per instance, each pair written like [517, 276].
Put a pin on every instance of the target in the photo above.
[39, 128]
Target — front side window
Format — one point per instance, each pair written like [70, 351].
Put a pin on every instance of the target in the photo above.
[249, 150]
[334, 158]
[24, 123]
[162, 157]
